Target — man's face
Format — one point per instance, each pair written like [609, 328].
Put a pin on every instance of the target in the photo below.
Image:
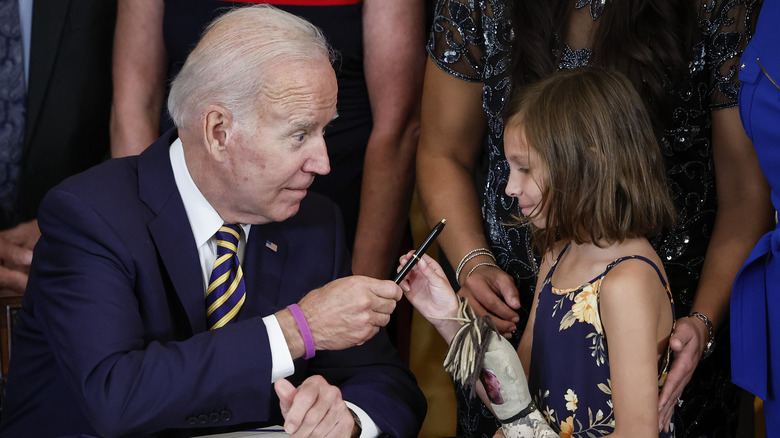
[272, 167]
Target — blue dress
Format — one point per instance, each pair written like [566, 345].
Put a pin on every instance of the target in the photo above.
[575, 394]
[755, 300]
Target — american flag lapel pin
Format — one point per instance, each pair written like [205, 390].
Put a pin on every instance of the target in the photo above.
[270, 245]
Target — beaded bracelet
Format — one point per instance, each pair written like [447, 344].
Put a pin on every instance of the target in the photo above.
[303, 326]
[469, 256]
[477, 266]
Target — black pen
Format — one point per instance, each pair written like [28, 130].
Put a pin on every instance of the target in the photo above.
[420, 251]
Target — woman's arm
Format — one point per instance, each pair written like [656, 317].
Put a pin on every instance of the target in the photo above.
[451, 138]
[394, 50]
[139, 70]
[637, 320]
[741, 188]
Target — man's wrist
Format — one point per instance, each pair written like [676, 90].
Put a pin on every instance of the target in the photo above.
[291, 332]
[357, 429]
[303, 328]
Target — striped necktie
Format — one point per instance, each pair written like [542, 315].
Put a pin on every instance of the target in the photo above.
[226, 292]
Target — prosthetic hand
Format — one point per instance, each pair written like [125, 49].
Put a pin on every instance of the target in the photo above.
[478, 352]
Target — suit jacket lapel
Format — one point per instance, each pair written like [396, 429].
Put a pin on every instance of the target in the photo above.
[264, 259]
[48, 23]
[170, 229]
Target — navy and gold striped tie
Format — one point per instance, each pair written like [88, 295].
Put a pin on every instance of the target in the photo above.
[226, 292]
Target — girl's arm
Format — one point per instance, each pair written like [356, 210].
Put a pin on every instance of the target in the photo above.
[637, 320]
[533, 425]
[428, 290]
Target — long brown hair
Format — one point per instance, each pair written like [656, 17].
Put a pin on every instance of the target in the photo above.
[647, 40]
[605, 180]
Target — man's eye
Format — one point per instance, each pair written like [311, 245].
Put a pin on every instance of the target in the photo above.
[299, 137]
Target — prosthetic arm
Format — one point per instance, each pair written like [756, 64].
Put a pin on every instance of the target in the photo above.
[478, 352]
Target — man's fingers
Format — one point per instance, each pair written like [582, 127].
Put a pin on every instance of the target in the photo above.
[386, 289]
[310, 407]
[286, 393]
[383, 305]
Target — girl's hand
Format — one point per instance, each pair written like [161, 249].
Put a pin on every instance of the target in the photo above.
[427, 288]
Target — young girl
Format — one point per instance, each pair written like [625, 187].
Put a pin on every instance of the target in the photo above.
[587, 173]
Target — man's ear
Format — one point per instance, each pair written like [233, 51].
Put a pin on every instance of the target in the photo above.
[218, 129]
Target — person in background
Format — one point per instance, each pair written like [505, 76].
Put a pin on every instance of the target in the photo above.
[481, 52]
[56, 101]
[197, 288]
[755, 300]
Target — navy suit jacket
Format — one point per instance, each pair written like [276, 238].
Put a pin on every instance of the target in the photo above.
[112, 337]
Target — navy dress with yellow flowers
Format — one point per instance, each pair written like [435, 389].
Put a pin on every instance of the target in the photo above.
[570, 382]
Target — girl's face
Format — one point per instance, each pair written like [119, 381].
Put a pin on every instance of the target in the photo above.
[526, 175]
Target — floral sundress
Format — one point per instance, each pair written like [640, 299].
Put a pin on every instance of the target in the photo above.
[570, 383]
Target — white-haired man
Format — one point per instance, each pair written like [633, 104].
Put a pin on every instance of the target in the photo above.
[197, 287]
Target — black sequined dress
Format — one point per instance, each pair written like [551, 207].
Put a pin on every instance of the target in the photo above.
[472, 39]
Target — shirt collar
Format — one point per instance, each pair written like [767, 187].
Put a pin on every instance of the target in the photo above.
[204, 219]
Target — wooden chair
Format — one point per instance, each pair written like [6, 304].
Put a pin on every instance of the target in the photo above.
[10, 303]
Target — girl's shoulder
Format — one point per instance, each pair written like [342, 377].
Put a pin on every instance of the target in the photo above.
[636, 274]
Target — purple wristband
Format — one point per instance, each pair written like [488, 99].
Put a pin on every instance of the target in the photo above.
[303, 326]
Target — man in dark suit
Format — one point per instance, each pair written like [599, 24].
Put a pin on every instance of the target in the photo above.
[115, 336]
[67, 114]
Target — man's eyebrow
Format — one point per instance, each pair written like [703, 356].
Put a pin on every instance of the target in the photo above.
[303, 124]
[308, 125]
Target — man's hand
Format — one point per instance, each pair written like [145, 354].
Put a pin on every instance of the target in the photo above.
[16, 246]
[349, 311]
[484, 289]
[314, 409]
[687, 343]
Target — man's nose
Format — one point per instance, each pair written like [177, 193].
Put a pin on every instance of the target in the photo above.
[318, 162]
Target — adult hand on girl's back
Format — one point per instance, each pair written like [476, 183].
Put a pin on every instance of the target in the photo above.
[687, 343]
[485, 288]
